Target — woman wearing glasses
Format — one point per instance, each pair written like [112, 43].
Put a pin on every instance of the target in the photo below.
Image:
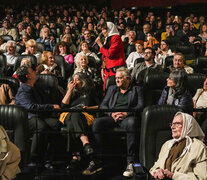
[176, 92]
[184, 156]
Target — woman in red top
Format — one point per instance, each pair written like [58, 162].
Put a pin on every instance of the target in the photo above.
[112, 50]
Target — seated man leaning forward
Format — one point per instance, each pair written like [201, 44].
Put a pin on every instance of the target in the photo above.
[29, 98]
[121, 96]
[184, 156]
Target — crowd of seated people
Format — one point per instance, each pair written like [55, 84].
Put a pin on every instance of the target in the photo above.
[95, 44]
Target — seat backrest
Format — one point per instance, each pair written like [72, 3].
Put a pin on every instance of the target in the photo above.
[60, 61]
[6, 38]
[32, 58]
[201, 64]
[3, 63]
[168, 61]
[195, 81]
[40, 47]
[92, 62]
[47, 86]
[154, 83]
[111, 80]
[138, 60]
[188, 51]
[173, 42]
[155, 131]
[14, 119]
[12, 82]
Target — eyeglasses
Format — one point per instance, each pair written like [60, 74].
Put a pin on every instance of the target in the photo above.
[176, 124]
[147, 52]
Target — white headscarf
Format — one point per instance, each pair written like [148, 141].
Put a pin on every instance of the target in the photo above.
[112, 30]
[190, 129]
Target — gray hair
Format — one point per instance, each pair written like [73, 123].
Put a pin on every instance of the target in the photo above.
[125, 71]
[182, 55]
[13, 43]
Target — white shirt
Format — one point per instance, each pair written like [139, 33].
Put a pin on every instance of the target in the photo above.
[11, 59]
[160, 59]
[132, 57]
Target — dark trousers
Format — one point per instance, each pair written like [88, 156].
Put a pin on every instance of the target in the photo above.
[40, 139]
[103, 124]
[76, 125]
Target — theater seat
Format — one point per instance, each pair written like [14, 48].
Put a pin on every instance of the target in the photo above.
[40, 47]
[47, 86]
[188, 51]
[3, 64]
[6, 38]
[154, 83]
[12, 82]
[201, 65]
[138, 60]
[60, 61]
[168, 61]
[111, 80]
[15, 121]
[32, 58]
[195, 81]
[155, 131]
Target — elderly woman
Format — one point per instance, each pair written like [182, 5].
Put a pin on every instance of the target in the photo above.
[31, 49]
[48, 65]
[84, 50]
[176, 92]
[185, 156]
[82, 66]
[79, 95]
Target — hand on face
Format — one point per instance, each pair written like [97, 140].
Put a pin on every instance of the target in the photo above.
[71, 85]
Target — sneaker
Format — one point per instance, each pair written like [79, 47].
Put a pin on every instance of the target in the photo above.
[88, 149]
[129, 172]
[92, 168]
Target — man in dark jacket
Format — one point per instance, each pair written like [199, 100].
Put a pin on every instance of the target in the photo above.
[120, 96]
[29, 98]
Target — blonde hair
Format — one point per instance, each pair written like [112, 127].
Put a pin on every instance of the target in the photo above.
[26, 62]
[31, 42]
[44, 57]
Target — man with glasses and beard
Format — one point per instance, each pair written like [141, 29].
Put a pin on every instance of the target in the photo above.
[143, 68]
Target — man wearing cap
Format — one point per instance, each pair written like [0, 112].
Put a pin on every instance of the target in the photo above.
[135, 55]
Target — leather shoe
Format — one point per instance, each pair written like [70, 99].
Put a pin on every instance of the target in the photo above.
[88, 149]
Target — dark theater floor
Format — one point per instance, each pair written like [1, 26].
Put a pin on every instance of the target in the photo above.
[111, 171]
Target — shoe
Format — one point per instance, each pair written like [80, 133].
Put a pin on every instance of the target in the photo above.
[129, 172]
[48, 165]
[88, 149]
[92, 168]
[73, 165]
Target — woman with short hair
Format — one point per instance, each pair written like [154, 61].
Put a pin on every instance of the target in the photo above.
[176, 92]
[31, 49]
